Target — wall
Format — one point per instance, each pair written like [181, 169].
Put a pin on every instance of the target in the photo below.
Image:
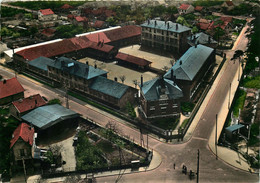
[20, 144]
[12, 98]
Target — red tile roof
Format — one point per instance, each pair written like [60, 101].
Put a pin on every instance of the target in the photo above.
[70, 16]
[29, 103]
[25, 132]
[229, 3]
[226, 19]
[99, 24]
[77, 43]
[47, 12]
[80, 19]
[48, 32]
[184, 6]
[10, 87]
[132, 59]
[198, 8]
[203, 26]
[67, 6]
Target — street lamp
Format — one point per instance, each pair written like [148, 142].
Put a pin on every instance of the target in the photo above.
[229, 96]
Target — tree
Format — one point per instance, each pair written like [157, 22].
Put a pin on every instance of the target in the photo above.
[122, 78]
[54, 101]
[135, 82]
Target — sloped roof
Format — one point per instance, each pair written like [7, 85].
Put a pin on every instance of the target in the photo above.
[41, 63]
[198, 8]
[29, 103]
[162, 25]
[229, 3]
[234, 127]
[77, 68]
[48, 32]
[184, 6]
[81, 19]
[108, 87]
[10, 87]
[152, 89]
[66, 6]
[23, 131]
[47, 12]
[49, 115]
[98, 24]
[226, 19]
[187, 67]
[201, 38]
[132, 59]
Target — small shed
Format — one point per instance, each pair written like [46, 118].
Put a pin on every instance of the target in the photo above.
[233, 130]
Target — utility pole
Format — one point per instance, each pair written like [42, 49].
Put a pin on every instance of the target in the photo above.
[238, 70]
[216, 137]
[229, 96]
[24, 170]
[198, 166]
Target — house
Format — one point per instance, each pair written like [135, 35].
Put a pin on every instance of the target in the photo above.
[226, 19]
[48, 33]
[228, 4]
[10, 90]
[98, 24]
[198, 8]
[160, 97]
[132, 61]
[66, 7]
[51, 118]
[111, 92]
[190, 69]
[22, 106]
[21, 143]
[226, 26]
[80, 21]
[185, 9]
[202, 38]
[165, 35]
[46, 15]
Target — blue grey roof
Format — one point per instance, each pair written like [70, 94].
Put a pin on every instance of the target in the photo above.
[234, 127]
[77, 68]
[191, 62]
[201, 38]
[41, 63]
[162, 25]
[46, 116]
[108, 87]
[152, 89]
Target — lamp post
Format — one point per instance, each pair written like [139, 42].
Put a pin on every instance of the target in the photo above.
[229, 96]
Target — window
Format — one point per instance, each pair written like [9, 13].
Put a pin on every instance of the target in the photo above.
[163, 108]
[22, 152]
[174, 105]
[152, 108]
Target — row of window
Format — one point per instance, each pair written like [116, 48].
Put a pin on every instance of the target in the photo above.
[152, 108]
[158, 31]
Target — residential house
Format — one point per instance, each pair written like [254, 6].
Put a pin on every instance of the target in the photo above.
[66, 8]
[228, 4]
[80, 21]
[189, 71]
[185, 9]
[46, 15]
[198, 8]
[48, 33]
[21, 144]
[165, 35]
[10, 90]
[23, 106]
[39, 66]
[160, 97]
[202, 38]
[98, 24]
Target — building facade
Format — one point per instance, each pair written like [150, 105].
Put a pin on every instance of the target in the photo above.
[165, 35]
[159, 98]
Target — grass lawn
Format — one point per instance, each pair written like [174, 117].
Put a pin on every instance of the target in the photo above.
[253, 82]
[105, 146]
[239, 102]
[4, 111]
[166, 123]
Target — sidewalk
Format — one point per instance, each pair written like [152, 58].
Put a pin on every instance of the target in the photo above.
[156, 162]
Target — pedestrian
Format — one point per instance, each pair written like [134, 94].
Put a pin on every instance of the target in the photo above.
[174, 166]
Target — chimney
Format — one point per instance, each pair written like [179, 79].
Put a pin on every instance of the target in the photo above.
[86, 62]
[35, 102]
[4, 81]
[115, 79]
[180, 62]
[195, 45]
[209, 39]
[168, 25]
[142, 81]
[155, 23]
[95, 66]
[176, 26]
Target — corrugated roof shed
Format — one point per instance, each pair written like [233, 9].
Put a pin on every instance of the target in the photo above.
[151, 89]
[187, 67]
[234, 127]
[202, 38]
[41, 63]
[108, 87]
[77, 68]
[49, 115]
[162, 25]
